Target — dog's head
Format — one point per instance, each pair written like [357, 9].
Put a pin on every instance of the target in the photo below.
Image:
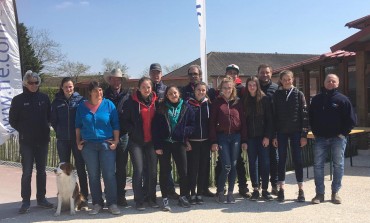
[65, 168]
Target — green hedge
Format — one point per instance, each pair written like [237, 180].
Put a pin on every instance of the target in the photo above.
[50, 91]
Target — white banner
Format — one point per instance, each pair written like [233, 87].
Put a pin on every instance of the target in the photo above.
[10, 68]
[201, 14]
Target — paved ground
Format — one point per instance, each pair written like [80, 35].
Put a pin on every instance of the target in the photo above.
[355, 207]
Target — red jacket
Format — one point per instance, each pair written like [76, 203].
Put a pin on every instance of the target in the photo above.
[227, 117]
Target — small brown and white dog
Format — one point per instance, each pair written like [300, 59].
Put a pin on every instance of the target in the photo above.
[68, 190]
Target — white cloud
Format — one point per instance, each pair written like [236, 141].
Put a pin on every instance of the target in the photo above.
[64, 5]
[84, 3]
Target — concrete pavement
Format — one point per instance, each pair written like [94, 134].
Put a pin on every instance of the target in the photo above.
[355, 208]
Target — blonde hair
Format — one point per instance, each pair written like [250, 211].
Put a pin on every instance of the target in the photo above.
[226, 80]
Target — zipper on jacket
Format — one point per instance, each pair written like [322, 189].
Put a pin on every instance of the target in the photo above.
[228, 107]
[200, 121]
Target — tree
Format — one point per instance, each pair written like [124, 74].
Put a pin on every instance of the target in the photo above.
[109, 65]
[46, 50]
[73, 69]
[171, 68]
[29, 61]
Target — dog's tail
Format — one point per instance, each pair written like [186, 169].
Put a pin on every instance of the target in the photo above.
[78, 197]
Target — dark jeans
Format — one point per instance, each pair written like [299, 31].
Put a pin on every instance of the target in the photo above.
[65, 147]
[143, 156]
[121, 164]
[274, 162]
[258, 156]
[198, 159]
[31, 154]
[296, 151]
[229, 151]
[178, 151]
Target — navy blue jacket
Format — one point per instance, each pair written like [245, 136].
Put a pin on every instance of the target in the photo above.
[29, 114]
[159, 90]
[202, 112]
[269, 89]
[63, 115]
[331, 114]
[161, 129]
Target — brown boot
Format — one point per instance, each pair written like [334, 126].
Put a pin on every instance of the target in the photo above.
[318, 199]
[335, 199]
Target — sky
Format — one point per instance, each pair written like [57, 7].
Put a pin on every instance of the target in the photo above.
[140, 32]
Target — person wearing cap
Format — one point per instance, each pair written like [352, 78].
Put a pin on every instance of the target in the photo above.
[117, 95]
[232, 71]
[155, 73]
[29, 114]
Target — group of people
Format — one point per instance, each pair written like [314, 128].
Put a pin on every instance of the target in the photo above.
[155, 122]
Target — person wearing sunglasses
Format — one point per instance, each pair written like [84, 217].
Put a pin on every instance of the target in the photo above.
[30, 115]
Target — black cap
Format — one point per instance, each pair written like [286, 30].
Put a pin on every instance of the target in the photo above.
[155, 66]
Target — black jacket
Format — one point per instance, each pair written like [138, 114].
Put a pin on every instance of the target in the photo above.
[202, 112]
[290, 112]
[63, 115]
[260, 125]
[161, 129]
[159, 90]
[30, 115]
[114, 97]
[269, 89]
[331, 114]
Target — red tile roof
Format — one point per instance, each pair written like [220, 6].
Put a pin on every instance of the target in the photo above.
[359, 23]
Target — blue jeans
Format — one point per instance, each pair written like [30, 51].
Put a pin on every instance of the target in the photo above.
[296, 151]
[322, 146]
[258, 156]
[229, 150]
[65, 147]
[31, 154]
[99, 158]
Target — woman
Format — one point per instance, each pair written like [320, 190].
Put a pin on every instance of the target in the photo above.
[172, 125]
[97, 136]
[259, 126]
[227, 131]
[198, 145]
[136, 120]
[63, 115]
[291, 123]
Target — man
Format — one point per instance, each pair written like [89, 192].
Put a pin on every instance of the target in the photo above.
[155, 74]
[116, 94]
[233, 71]
[332, 118]
[268, 87]
[30, 115]
[195, 76]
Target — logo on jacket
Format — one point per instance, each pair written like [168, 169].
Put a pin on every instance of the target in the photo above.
[334, 105]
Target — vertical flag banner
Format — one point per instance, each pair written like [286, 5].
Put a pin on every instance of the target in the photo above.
[201, 14]
[10, 67]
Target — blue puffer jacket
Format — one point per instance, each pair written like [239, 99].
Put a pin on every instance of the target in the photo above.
[63, 114]
[161, 128]
[201, 111]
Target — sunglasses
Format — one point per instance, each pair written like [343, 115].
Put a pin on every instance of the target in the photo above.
[33, 83]
[193, 74]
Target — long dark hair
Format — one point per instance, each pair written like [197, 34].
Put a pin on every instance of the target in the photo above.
[249, 99]
[162, 105]
[64, 80]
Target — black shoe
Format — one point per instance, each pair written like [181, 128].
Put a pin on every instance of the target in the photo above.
[208, 193]
[153, 203]
[281, 196]
[166, 205]
[274, 191]
[140, 206]
[244, 192]
[122, 201]
[266, 195]
[24, 208]
[199, 199]
[44, 203]
[183, 202]
[173, 195]
[301, 197]
[255, 195]
[193, 200]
